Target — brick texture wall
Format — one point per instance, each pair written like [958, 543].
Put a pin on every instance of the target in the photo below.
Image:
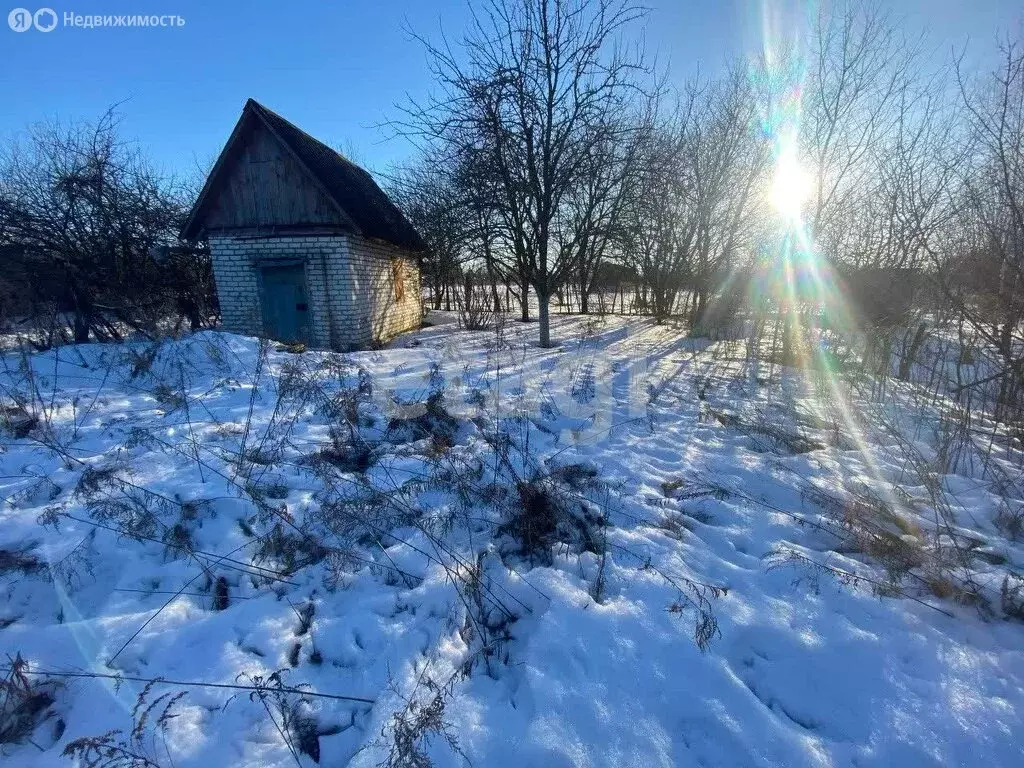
[349, 284]
[374, 266]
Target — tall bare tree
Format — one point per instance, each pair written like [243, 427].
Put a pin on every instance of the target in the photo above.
[438, 206]
[532, 92]
[694, 217]
[993, 212]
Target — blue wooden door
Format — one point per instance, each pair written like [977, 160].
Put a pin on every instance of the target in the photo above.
[285, 308]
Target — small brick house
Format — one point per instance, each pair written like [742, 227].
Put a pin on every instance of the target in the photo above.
[305, 246]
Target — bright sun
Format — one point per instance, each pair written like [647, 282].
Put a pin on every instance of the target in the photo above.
[791, 186]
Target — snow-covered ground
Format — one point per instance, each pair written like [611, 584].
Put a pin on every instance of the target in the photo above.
[389, 567]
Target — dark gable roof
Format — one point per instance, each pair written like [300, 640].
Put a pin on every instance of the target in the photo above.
[350, 188]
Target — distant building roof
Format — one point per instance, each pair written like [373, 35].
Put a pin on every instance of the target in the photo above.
[348, 186]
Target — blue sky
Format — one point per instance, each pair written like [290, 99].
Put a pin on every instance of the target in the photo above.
[338, 69]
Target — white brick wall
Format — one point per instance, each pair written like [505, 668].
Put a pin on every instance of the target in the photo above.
[349, 286]
[370, 270]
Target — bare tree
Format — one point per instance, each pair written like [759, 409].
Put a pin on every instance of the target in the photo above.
[593, 223]
[993, 213]
[659, 221]
[727, 160]
[535, 88]
[857, 82]
[694, 216]
[438, 206]
[860, 68]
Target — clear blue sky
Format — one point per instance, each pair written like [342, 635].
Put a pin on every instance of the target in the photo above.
[336, 69]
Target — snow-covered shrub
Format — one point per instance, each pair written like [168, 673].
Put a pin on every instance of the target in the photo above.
[413, 727]
[1011, 595]
[347, 452]
[540, 507]
[16, 420]
[288, 548]
[21, 560]
[289, 712]
[431, 421]
[1010, 519]
[26, 701]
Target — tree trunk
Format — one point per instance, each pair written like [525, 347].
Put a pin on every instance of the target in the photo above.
[81, 328]
[911, 354]
[524, 302]
[83, 317]
[491, 276]
[1006, 338]
[1007, 387]
[700, 304]
[788, 333]
[494, 296]
[545, 322]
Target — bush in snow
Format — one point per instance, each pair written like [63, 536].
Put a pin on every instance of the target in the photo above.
[26, 701]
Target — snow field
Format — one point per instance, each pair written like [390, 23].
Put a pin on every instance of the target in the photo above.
[702, 473]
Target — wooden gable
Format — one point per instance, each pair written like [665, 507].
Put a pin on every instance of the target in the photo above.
[260, 184]
[272, 175]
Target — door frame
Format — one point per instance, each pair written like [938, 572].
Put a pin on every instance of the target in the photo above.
[262, 263]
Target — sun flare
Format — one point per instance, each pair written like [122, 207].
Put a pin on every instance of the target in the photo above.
[790, 186]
